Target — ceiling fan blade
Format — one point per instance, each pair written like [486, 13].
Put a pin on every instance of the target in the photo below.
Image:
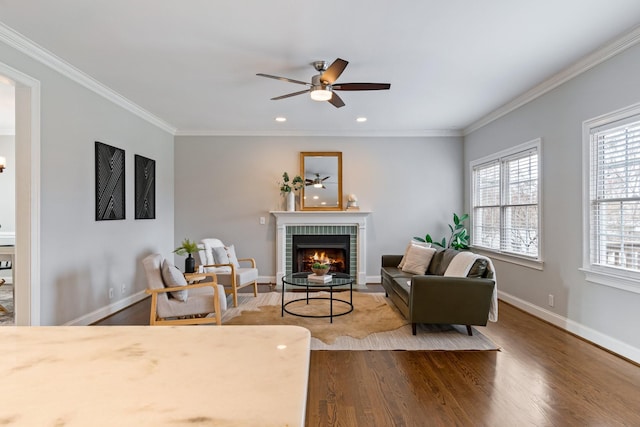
[336, 101]
[362, 86]
[284, 79]
[289, 95]
[325, 178]
[333, 72]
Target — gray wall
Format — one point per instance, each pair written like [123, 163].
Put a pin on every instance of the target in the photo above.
[225, 184]
[80, 257]
[598, 312]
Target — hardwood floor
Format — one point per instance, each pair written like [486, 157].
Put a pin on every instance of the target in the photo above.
[543, 376]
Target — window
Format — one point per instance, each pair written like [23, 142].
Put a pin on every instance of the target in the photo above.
[505, 199]
[613, 207]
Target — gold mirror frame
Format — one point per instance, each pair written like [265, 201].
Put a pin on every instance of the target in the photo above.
[325, 167]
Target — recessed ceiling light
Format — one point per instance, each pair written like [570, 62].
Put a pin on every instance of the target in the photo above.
[281, 119]
[361, 119]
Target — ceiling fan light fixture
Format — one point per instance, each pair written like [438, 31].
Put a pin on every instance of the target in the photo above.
[319, 93]
[317, 185]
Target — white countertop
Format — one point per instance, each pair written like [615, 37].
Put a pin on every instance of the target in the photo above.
[160, 375]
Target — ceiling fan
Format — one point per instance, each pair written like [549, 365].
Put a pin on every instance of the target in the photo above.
[316, 182]
[323, 85]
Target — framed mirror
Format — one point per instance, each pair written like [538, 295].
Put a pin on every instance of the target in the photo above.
[322, 175]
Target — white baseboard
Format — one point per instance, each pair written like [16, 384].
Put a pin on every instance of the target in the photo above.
[108, 310]
[589, 334]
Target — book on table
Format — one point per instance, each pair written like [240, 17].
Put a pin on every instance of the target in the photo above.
[319, 279]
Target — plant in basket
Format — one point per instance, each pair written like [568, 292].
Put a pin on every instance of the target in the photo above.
[320, 269]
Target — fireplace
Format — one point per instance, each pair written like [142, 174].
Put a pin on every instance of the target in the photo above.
[329, 223]
[333, 250]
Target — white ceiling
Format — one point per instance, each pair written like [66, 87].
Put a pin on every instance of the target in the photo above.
[192, 63]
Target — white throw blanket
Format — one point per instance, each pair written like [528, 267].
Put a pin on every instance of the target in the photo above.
[460, 266]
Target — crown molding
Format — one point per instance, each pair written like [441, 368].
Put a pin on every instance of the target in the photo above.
[606, 52]
[22, 44]
[331, 133]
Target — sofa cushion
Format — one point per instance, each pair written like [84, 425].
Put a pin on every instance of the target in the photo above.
[478, 269]
[402, 286]
[418, 259]
[393, 272]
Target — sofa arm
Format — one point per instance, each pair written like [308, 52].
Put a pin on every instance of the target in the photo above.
[457, 300]
[391, 260]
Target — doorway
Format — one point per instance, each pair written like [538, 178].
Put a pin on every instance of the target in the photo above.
[7, 202]
[26, 265]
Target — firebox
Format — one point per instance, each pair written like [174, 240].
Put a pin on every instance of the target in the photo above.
[307, 249]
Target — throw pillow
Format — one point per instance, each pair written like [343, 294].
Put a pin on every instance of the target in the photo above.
[418, 259]
[413, 242]
[220, 255]
[478, 269]
[435, 261]
[231, 254]
[173, 278]
[447, 256]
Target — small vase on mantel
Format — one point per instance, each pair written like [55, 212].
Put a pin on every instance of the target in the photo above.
[291, 201]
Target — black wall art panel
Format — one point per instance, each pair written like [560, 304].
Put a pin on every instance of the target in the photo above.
[110, 203]
[145, 188]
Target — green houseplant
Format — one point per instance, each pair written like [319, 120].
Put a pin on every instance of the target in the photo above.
[319, 268]
[459, 238]
[187, 248]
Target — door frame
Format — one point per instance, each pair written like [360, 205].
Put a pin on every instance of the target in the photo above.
[27, 245]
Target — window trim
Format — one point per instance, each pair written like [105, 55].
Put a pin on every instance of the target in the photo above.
[603, 275]
[523, 260]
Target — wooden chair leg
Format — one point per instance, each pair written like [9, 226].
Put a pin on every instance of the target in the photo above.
[469, 330]
[255, 288]
[234, 289]
[216, 304]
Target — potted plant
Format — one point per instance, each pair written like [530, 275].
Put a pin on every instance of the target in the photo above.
[287, 187]
[319, 269]
[187, 248]
[459, 238]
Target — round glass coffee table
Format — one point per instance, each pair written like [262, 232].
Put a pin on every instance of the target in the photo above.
[299, 280]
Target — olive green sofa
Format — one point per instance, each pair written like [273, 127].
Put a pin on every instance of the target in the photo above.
[433, 298]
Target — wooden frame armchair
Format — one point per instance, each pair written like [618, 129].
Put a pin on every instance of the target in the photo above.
[231, 275]
[203, 298]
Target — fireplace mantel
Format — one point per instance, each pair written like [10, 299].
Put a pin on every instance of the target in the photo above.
[285, 219]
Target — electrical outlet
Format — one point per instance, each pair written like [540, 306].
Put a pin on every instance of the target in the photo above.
[263, 220]
[551, 300]
[110, 293]
[123, 289]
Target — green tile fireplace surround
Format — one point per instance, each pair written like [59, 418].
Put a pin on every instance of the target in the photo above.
[352, 224]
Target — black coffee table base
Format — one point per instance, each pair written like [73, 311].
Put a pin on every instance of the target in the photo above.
[300, 281]
[331, 314]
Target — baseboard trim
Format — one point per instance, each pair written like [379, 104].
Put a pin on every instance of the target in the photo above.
[609, 343]
[108, 310]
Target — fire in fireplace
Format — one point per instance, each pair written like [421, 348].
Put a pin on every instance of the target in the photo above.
[332, 250]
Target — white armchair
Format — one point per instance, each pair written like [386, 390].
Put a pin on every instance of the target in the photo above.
[192, 304]
[232, 272]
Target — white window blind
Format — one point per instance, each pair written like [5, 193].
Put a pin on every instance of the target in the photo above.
[505, 203]
[615, 195]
